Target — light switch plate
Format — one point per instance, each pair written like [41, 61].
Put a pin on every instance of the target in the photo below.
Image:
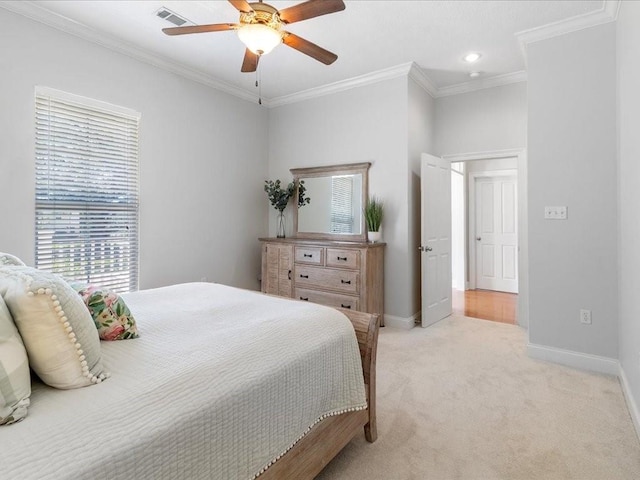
[555, 213]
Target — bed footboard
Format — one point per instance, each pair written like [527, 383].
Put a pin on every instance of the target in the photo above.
[367, 326]
[316, 449]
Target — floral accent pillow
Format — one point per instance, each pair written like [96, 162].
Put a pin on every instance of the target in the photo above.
[109, 312]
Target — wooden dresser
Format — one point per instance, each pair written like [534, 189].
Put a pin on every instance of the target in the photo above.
[339, 274]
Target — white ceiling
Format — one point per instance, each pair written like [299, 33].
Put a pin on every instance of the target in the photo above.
[368, 36]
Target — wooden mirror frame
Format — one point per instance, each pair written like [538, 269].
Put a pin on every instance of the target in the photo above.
[331, 170]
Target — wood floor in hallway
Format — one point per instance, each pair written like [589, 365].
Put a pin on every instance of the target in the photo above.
[486, 304]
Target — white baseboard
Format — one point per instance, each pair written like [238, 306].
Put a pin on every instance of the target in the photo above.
[584, 361]
[631, 403]
[406, 323]
[592, 363]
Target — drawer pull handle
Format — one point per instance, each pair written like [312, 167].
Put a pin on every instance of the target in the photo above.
[344, 259]
[306, 299]
[345, 306]
[289, 275]
[304, 276]
[348, 282]
[308, 255]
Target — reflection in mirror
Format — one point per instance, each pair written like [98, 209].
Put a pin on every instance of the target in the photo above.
[336, 205]
[337, 196]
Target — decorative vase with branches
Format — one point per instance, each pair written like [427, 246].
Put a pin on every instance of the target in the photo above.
[279, 197]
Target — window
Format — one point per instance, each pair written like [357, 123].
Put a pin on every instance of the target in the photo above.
[86, 190]
[341, 195]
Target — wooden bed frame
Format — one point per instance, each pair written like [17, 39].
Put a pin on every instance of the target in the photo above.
[316, 449]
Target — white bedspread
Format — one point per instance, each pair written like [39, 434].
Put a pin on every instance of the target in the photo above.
[220, 382]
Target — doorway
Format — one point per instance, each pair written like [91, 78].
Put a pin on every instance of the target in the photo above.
[484, 238]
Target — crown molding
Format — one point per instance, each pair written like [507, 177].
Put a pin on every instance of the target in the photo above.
[490, 155]
[342, 85]
[422, 79]
[607, 13]
[40, 14]
[612, 7]
[411, 70]
[481, 84]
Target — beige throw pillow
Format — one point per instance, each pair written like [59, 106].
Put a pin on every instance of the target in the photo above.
[57, 330]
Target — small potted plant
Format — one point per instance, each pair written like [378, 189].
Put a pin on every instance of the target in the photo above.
[373, 213]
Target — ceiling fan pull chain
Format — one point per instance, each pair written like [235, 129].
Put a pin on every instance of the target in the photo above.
[259, 82]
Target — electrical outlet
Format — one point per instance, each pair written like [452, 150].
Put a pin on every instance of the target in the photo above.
[585, 316]
[555, 213]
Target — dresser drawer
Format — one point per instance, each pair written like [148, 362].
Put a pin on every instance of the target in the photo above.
[329, 299]
[340, 280]
[343, 258]
[310, 255]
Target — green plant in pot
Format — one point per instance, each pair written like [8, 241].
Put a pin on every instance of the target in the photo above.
[373, 214]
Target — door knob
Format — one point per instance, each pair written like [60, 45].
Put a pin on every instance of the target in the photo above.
[478, 238]
[427, 249]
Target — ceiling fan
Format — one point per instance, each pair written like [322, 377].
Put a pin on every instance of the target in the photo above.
[260, 29]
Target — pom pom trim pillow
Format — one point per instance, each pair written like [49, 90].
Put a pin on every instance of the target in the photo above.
[15, 378]
[61, 340]
[111, 315]
[8, 259]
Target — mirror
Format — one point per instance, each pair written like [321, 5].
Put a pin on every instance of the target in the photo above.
[338, 194]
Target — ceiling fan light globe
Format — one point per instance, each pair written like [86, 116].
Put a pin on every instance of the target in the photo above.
[259, 38]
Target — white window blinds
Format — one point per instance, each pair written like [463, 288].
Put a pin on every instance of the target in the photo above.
[341, 196]
[86, 190]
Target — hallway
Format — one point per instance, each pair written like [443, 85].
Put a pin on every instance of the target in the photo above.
[486, 304]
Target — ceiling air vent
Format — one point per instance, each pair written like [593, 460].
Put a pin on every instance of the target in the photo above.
[171, 17]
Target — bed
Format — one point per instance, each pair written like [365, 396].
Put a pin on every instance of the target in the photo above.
[222, 383]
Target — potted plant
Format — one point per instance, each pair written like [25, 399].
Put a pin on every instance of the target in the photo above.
[279, 198]
[373, 213]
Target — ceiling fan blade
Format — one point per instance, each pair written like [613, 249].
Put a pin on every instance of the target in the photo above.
[308, 48]
[215, 27]
[241, 5]
[250, 62]
[310, 9]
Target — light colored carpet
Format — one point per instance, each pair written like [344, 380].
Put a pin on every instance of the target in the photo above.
[461, 400]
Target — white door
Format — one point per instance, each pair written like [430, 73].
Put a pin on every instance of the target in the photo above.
[496, 233]
[435, 239]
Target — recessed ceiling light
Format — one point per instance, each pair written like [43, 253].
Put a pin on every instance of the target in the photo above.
[472, 57]
[474, 74]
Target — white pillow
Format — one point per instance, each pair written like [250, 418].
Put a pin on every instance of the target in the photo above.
[15, 379]
[57, 330]
[8, 259]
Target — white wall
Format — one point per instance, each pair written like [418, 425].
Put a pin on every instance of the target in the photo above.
[201, 176]
[483, 120]
[365, 124]
[628, 52]
[572, 162]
